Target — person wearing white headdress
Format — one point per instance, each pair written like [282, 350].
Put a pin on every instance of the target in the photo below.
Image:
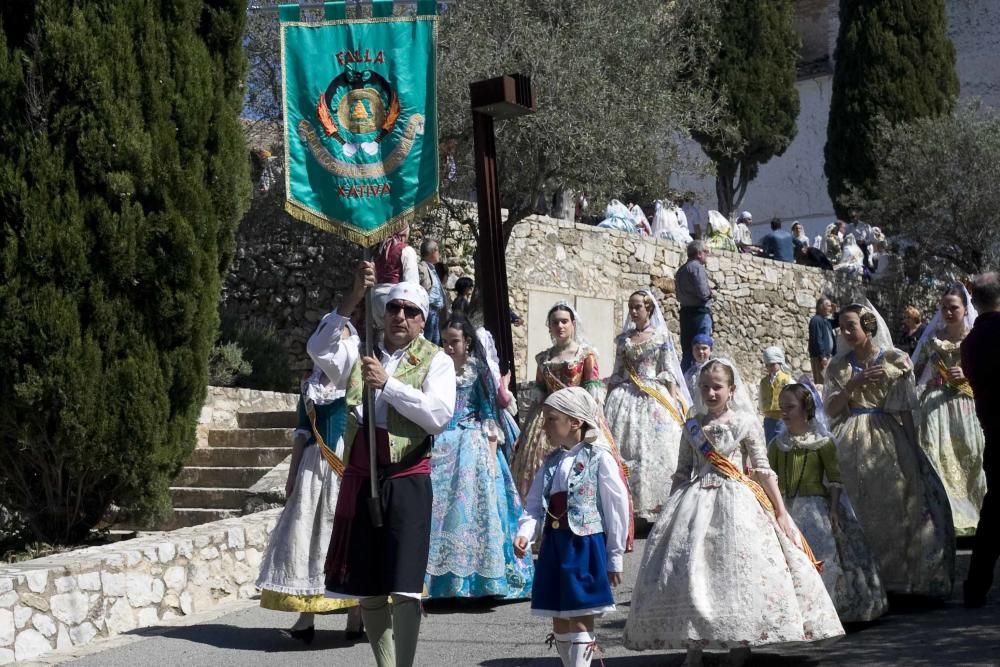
[950, 432]
[725, 566]
[804, 456]
[617, 216]
[413, 386]
[775, 378]
[570, 362]
[647, 403]
[641, 222]
[870, 396]
[395, 262]
[741, 230]
[582, 505]
[720, 233]
[851, 257]
[291, 570]
[667, 223]
[832, 243]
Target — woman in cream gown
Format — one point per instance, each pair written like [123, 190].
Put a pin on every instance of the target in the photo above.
[899, 498]
[647, 403]
[950, 433]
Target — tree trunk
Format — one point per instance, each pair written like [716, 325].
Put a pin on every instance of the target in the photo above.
[725, 172]
[564, 205]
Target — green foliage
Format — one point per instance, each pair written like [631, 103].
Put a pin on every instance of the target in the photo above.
[935, 189]
[122, 176]
[226, 363]
[754, 82]
[263, 351]
[894, 60]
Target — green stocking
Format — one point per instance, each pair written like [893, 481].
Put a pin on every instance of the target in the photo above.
[377, 616]
[406, 624]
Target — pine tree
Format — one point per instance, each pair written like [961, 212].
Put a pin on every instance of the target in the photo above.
[894, 60]
[754, 74]
[123, 173]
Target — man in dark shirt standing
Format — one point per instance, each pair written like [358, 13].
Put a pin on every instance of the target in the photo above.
[778, 245]
[822, 344]
[981, 365]
[694, 295]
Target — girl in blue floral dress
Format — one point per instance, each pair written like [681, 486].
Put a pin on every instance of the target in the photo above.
[476, 505]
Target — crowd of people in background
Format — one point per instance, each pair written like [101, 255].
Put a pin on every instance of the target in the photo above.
[770, 522]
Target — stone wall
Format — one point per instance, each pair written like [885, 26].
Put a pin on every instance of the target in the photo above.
[757, 302]
[77, 597]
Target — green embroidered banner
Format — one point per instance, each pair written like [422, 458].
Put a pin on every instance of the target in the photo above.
[361, 150]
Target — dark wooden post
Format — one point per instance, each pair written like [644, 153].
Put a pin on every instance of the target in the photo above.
[501, 98]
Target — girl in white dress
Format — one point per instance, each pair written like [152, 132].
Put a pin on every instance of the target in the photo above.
[725, 566]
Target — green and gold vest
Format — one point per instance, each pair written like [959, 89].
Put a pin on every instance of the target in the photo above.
[404, 435]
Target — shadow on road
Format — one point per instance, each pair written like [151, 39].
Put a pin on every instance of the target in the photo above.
[247, 639]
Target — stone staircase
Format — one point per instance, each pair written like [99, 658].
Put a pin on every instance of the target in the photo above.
[215, 482]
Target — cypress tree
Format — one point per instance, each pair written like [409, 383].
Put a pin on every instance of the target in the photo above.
[123, 174]
[894, 60]
[754, 76]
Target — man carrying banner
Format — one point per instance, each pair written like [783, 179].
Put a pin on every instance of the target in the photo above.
[414, 385]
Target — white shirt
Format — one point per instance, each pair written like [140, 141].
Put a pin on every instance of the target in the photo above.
[613, 497]
[430, 407]
[410, 266]
[741, 234]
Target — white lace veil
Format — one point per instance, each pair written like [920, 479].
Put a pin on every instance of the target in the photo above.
[718, 224]
[659, 323]
[740, 402]
[882, 338]
[577, 322]
[935, 324]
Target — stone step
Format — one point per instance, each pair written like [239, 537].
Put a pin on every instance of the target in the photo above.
[219, 476]
[250, 437]
[195, 516]
[208, 498]
[277, 419]
[251, 457]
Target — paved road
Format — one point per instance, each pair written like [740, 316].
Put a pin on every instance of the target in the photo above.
[506, 635]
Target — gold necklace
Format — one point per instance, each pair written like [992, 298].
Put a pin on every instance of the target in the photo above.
[555, 519]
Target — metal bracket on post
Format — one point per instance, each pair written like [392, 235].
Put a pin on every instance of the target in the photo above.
[375, 499]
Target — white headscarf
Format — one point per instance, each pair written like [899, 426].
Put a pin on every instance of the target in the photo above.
[577, 324]
[411, 292]
[851, 253]
[882, 340]
[617, 216]
[774, 355]
[936, 324]
[577, 403]
[659, 323]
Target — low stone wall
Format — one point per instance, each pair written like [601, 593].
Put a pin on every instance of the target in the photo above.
[77, 597]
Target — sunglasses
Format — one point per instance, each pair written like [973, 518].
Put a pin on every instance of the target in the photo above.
[393, 307]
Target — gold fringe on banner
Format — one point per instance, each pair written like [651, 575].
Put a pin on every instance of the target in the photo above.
[353, 234]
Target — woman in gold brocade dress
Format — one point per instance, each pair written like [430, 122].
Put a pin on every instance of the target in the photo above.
[950, 433]
[899, 498]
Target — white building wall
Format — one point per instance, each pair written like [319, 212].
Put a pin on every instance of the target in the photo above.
[793, 186]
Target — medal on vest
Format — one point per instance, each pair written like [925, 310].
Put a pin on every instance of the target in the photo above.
[555, 519]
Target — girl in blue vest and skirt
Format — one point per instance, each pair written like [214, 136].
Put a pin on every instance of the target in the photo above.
[580, 500]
